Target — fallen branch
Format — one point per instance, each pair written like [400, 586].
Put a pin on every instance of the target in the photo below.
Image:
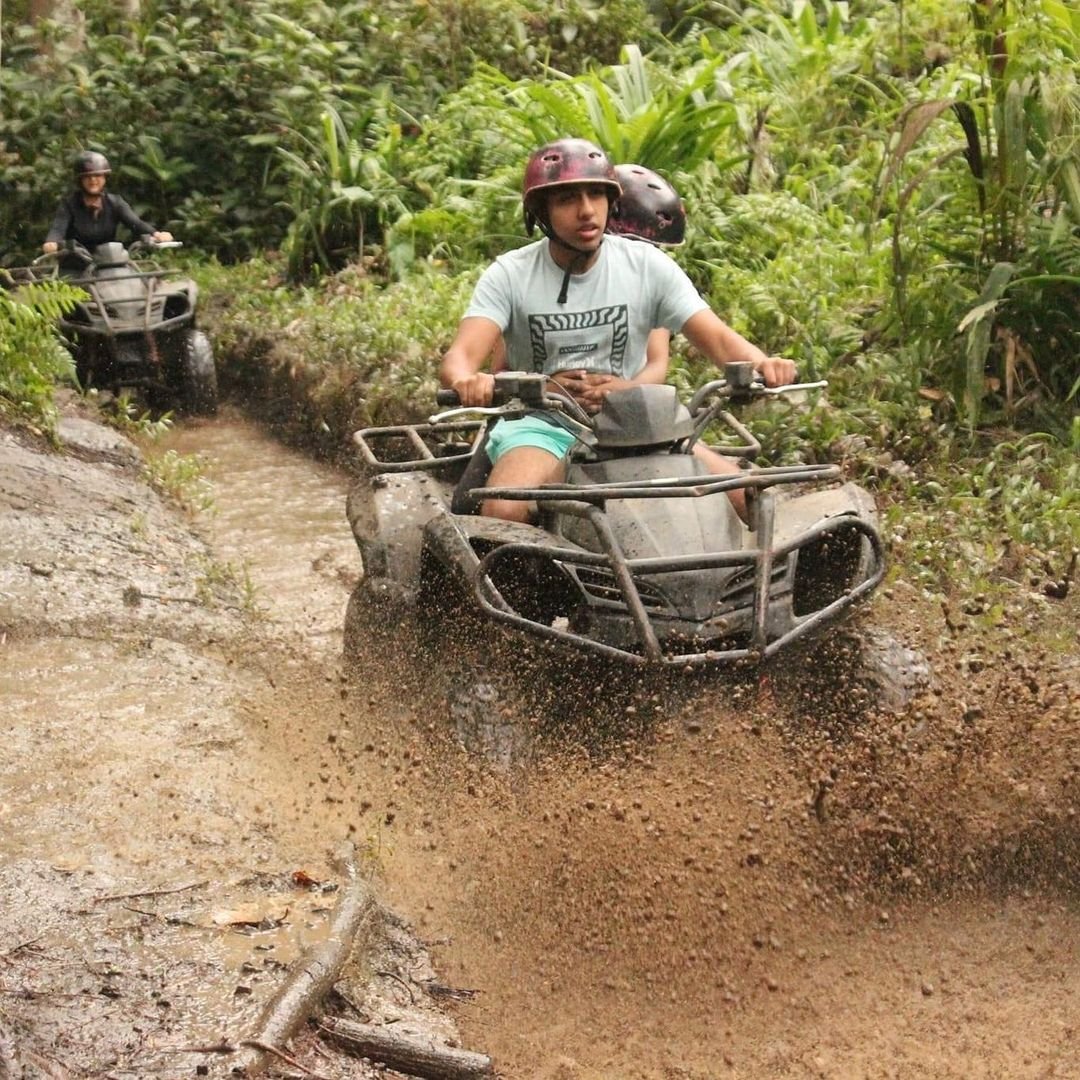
[172, 920]
[253, 1044]
[18, 948]
[411, 1054]
[312, 977]
[149, 892]
[454, 993]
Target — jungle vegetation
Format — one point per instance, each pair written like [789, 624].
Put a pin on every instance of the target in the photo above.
[888, 192]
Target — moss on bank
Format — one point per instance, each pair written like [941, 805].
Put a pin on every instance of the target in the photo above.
[318, 363]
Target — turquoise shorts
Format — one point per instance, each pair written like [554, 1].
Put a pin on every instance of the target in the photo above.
[528, 431]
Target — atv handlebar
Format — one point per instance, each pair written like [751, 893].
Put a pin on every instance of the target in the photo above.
[741, 383]
[154, 245]
[515, 394]
[524, 386]
[83, 253]
[66, 249]
[528, 390]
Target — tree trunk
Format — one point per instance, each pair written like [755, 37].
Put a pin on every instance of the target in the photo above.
[71, 37]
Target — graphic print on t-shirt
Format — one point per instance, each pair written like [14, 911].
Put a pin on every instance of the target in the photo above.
[594, 340]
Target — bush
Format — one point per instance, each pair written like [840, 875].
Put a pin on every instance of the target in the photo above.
[32, 357]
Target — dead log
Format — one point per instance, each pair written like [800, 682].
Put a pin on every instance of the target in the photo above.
[414, 1055]
[313, 975]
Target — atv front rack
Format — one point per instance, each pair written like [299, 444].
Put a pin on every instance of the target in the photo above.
[587, 502]
[380, 448]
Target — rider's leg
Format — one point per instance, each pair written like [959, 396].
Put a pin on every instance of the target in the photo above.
[524, 466]
[719, 465]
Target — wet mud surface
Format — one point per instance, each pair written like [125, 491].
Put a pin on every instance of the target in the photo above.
[740, 880]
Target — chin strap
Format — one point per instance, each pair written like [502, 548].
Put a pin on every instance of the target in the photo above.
[580, 256]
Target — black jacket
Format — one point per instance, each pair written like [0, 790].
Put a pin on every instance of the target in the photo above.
[76, 221]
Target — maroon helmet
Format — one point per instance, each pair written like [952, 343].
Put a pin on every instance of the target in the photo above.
[565, 161]
[649, 208]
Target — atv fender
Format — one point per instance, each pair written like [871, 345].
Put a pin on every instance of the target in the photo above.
[388, 513]
[453, 542]
[827, 569]
[796, 514]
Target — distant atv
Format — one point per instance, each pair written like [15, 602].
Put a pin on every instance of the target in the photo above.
[639, 556]
[137, 328]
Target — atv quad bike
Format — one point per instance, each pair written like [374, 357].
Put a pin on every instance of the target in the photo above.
[136, 328]
[639, 556]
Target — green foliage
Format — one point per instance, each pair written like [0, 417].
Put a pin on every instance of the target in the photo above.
[471, 155]
[226, 584]
[678, 124]
[340, 188]
[32, 358]
[180, 477]
[1009, 513]
[1017, 102]
[344, 353]
[175, 97]
[124, 414]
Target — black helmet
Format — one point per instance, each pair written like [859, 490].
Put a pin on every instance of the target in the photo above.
[90, 163]
[649, 207]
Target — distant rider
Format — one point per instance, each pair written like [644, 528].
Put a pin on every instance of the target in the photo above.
[576, 305]
[91, 216]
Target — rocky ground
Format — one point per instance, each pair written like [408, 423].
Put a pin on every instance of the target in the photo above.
[156, 886]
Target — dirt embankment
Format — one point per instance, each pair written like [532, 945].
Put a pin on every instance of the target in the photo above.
[744, 883]
[167, 824]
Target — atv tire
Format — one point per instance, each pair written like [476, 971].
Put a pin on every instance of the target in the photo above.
[379, 622]
[859, 669]
[487, 721]
[198, 376]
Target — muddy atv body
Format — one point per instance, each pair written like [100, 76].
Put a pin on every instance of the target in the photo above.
[639, 555]
[136, 329]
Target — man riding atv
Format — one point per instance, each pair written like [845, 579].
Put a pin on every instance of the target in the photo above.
[90, 216]
[591, 336]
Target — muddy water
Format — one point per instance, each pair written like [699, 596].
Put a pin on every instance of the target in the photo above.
[728, 893]
[278, 519]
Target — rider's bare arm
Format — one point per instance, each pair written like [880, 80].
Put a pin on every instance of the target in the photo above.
[474, 342]
[50, 247]
[707, 332]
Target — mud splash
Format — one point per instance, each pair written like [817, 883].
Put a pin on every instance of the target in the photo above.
[731, 889]
[725, 889]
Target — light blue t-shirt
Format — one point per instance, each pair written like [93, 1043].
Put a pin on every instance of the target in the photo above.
[632, 289]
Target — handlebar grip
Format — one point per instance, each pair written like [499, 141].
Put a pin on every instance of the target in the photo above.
[447, 397]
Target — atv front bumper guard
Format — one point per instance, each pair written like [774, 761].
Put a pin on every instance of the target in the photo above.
[587, 503]
[137, 314]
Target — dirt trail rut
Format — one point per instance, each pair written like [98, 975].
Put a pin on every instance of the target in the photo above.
[730, 890]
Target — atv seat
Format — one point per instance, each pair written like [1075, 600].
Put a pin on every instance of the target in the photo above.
[474, 476]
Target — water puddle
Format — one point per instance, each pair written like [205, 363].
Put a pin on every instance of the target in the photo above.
[279, 519]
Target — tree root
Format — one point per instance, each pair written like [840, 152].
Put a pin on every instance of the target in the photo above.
[411, 1054]
[312, 977]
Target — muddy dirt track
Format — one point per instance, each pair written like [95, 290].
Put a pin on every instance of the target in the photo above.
[734, 883]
